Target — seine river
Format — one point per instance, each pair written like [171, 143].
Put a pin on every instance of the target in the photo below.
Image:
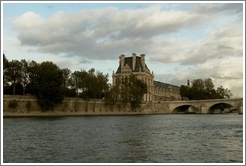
[190, 138]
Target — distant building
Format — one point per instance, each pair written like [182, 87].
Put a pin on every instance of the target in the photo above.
[136, 65]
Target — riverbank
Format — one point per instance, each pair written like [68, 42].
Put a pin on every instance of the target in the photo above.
[27, 106]
[62, 114]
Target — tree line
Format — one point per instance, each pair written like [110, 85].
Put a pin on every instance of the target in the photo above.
[51, 84]
[202, 89]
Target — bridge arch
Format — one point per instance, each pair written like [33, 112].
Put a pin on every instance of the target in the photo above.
[222, 107]
[187, 108]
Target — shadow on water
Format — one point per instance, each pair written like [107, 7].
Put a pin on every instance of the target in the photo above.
[46, 118]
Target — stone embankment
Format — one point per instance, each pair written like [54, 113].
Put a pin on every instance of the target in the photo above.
[27, 106]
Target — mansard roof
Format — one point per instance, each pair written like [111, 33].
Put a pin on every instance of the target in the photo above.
[165, 85]
[128, 61]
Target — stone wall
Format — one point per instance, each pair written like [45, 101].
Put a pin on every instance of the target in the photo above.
[77, 106]
[69, 106]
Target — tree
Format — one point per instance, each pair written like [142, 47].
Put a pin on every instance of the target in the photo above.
[209, 85]
[209, 89]
[32, 72]
[24, 80]
[184, 91]
[131, 90]
[203, 89]
[137, 90]
[68, 92]
[77, 80]
[13, 73]
[197, 91]
[101, 84]
[66, 75]
[223, 93]
[46, 81]
[112, 95]
[5, 68]
[90, 84]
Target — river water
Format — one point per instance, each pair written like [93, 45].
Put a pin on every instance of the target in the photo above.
[190, 138]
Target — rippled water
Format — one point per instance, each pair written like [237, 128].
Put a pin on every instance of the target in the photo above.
[124, 139]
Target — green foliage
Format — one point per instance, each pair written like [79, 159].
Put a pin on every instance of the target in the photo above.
[5, 69]
[203, 89]
[8, 89]
[77, 80]
[13, 104]
[184, 91]
[90, 84]
[69, 92]
[131, 90]
[16, 72]
[112, 96]
[223, 93]
[12, 73]
[24, 80]
[66, 75]
[46, 84]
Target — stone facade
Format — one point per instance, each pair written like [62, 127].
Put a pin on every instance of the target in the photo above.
[157, 91]
[164, 91]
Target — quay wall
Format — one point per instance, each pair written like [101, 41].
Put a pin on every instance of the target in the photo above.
[71, 107]
[78, 106]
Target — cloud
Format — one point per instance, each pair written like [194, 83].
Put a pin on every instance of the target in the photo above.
[223, 47]
[105, 33]
[224, 72]
[201, 41]
[224, 42]
[84, 61]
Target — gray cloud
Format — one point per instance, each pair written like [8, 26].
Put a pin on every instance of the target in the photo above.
[211, 9]
[226, 73]
[224, 42]
[84, 61]
[106, 32]
[223, 47]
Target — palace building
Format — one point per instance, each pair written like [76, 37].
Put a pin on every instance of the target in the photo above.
[157, 91]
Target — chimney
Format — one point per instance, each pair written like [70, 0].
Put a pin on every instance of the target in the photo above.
[143, 61]
[122, 61]
[133, 61]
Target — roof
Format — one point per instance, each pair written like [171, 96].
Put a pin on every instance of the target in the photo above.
[165, 85]
[128, 61]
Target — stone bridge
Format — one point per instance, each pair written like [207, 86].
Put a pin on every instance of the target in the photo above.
[196, 106]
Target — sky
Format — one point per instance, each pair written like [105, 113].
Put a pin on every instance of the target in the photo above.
[180, 41]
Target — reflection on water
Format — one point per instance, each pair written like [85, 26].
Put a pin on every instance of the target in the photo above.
[124, 139]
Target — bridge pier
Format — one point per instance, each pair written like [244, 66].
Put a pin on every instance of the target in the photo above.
[240, 109]
[203, 109]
